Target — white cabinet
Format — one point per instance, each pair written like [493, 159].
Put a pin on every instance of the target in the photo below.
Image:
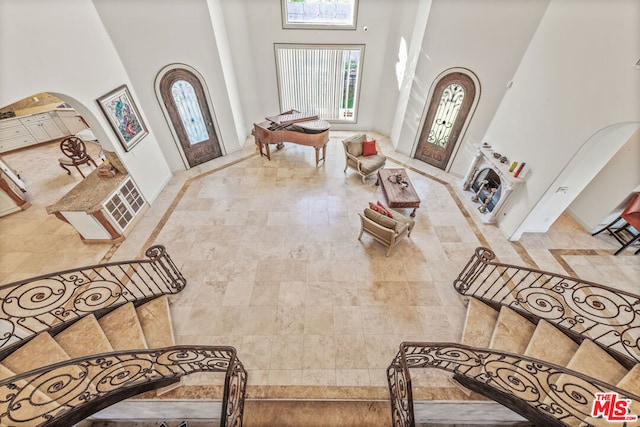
[19, 132]
[72, 121]
[101, 209]
[42, 127]
[14, 135]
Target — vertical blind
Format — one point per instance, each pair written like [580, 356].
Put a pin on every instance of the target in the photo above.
[312, 79]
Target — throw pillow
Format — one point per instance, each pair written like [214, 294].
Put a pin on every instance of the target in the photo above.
[387, 212]
[376, 208]
[369, 148]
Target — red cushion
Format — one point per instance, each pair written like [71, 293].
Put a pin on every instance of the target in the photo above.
[387, 212]
[380, 209]
[369, 148]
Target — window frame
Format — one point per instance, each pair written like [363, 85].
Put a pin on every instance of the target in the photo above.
[350, 46]
[314, 25]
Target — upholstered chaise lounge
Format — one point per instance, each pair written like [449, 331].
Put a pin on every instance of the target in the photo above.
[357, 158]
[388, 231]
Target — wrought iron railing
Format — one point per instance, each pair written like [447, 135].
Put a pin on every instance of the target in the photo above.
[542, 392]
[40, 303]
[68, 392]
[608, 316]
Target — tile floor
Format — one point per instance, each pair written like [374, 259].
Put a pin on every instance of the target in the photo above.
[274, 267]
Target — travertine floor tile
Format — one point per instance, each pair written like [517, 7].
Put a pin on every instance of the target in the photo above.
[274, 267]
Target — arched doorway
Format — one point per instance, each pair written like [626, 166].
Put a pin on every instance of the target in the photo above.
[577, 174]
[185, 104]
[452, 103]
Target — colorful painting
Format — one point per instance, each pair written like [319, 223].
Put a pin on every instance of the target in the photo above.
[124, 117]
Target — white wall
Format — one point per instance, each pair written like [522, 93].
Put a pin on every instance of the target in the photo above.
[151, 34]
[575, 79]
[61, 47]
[611, 187]
[592, 156]
[487, 37]
[255, 25]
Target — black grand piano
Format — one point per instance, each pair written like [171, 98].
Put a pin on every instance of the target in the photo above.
[295, 127]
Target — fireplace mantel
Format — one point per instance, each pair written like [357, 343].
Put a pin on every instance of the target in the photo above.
[484, 160]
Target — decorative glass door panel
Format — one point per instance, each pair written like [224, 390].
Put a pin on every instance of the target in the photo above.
[450, 104]
[188, 107]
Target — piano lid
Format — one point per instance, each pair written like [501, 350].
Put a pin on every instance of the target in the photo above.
[311, 126]
[292, 116]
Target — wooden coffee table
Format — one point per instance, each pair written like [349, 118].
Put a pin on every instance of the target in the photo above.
[398, 196]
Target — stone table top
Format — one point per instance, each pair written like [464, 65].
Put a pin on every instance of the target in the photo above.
[91, 192]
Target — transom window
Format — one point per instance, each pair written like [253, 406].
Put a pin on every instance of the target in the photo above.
[320, 79]
[328, 14]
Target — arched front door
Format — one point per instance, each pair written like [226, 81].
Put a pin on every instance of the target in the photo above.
[450, 105]
[187, 107]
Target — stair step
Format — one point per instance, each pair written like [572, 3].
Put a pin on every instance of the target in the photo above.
[21, 412]
[512, 332]
[631, 381]
[479, 324]
[5, 372]
[548, 343]
[593, 361]
[155, 320]
[83, 338]
[42, 350]
[122, 328]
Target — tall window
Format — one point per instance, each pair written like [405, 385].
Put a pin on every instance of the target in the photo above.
[322, 80]
[189, 109]
[327, 14]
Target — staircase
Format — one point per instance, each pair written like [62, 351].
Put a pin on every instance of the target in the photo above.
[80, 340]
[507, 331]
[549, 347]
[541, 344]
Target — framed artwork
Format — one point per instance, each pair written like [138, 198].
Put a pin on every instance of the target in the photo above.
[124, 117]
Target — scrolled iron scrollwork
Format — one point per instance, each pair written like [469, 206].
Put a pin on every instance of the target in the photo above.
[597, 312]
[484, 254]
[155, 252]
[102, 293]
[236, 386]
[546, 388]
[54, 392]
[30, 306]
[541, 303]
[419, 357]
[603, 305]
[38, 297]
[399, 381]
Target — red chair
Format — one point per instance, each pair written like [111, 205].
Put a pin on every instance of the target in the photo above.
[626, 228]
